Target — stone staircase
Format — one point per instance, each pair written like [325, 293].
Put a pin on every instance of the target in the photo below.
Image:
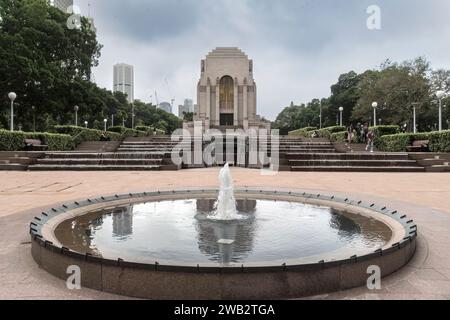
[154, 153]
[18, 160]
[314, 155]
[433, 162]
[98, 146]
[147, 154]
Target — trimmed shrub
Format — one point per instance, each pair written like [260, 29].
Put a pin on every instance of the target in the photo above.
[385, 130]
[56, 142]
[127, 132]
[440, 141]
[117, 129]
[399, 142]
[15, 141]
[80, 134]
[327, 132]
[302, 132]
[11, 141]
[342, 137]
[150, 130]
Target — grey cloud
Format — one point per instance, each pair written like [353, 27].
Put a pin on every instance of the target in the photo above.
[299, 46]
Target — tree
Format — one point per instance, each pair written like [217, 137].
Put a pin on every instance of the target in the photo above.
[44, 62]
[395, 88]
[188, 116]
[345, 93]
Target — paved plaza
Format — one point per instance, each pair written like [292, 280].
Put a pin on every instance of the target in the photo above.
[425, 197]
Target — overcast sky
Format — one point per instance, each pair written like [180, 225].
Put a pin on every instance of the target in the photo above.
[299, 47]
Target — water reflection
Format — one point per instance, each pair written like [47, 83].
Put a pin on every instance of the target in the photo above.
[182, 231]
[226, 241]
[122, 221]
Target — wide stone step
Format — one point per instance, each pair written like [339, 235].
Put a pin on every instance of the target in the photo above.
[44, 167]
[98, 146]
[357, 169]
[144, 150]
[346, 156]
[17, 160]
[353, 163]
[299, 150]
[431, 162]
[115, 155]
[13, 167]
[81, 161]
[148, 145]
[307, 152]
[439, 168]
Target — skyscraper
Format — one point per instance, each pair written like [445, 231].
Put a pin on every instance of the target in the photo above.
[124, 80]
[167, 107]
[188, 107]
[62, 5]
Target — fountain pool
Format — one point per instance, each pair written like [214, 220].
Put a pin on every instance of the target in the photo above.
[222, 244]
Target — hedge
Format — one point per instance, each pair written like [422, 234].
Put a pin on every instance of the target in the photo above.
[440, 141]
[399, 142]
[327, 132]
[385, 130]
[342, 137]
[150, 130]
[127, 132]
[15, 141]
[80, 134]
[302, 132]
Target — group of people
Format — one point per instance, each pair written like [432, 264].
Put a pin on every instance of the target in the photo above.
[361, 133]
[105, 137]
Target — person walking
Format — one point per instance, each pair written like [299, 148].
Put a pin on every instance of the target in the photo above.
[364, 132]
[370, 141]
[350, 133]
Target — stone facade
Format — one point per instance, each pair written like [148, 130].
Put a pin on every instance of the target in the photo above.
[226, 92]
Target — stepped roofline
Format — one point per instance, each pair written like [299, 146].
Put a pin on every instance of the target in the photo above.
[227, 52]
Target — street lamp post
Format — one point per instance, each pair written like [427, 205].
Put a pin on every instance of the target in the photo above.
[440, 95]
[340, 115]
[86, 124]
[375, 106]
[112, 120]
[76, 108]
[12, 96]
[414, 104]
[414, 117]
[321, 114]
[132, 116]
[33, 108]
[105, 121]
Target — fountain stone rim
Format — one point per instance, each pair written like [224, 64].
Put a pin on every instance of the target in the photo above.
[42, 227]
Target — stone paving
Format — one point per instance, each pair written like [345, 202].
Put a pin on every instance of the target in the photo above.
[423, 196]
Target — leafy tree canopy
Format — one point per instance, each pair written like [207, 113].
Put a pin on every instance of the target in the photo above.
[49, 66]
[396, 87]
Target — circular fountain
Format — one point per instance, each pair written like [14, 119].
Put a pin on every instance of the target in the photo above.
[222, 244]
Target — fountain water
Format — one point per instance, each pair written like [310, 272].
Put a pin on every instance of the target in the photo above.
[226, 204]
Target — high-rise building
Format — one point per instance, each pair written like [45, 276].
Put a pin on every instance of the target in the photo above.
[62, 5]
[188, 107]
[124, 80]
[167, 107]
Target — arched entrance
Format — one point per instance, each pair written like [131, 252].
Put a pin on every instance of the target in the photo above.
[226, 101]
